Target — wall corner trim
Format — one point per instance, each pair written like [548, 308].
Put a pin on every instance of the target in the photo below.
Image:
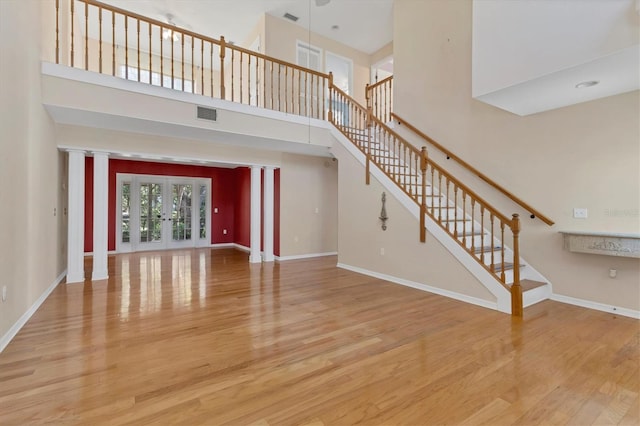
[424, 287]
[625, 312]
[9, 335]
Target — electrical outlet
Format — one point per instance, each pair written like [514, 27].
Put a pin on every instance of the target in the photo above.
[224, 232]
[4, 293]
[215, 210]
[580, 213]
[382, 251]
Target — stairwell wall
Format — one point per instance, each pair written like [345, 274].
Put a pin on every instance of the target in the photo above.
[396, 252]
[584, 155]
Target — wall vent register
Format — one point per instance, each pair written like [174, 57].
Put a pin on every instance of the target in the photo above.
[207, 114]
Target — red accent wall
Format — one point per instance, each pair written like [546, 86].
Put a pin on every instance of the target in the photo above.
[243, 206]
[230, 194]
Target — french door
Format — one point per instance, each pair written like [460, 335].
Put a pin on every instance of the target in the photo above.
[162, 212]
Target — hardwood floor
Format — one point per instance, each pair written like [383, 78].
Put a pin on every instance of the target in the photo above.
[203, 337]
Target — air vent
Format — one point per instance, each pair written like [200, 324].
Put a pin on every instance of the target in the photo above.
[291, 17]
[207, 113]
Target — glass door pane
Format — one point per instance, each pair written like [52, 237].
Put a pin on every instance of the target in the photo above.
[125, 202]
[151, 214]
[181, 225]
[203, 211]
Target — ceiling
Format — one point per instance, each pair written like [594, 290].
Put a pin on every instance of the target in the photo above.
[365, 25]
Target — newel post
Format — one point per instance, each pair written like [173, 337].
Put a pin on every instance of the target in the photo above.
[223, 45]
[516, 288]
[423, 196]
[330, 97]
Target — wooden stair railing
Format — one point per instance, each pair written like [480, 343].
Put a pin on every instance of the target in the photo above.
[146, 50]
[458, 210]
[380, 99]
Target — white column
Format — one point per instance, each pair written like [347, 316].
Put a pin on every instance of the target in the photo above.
[268, 213]
[75, 226]
[100, 209]
[254, 256]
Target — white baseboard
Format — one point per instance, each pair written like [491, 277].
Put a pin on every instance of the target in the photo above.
[222, 245]
[305, 256]
[9, 335]
[625, 312]
[241, 247]
[110, 252]
[424, 287]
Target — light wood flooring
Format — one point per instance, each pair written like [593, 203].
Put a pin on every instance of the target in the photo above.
[203, 337]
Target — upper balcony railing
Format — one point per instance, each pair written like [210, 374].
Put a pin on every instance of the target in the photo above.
[109, 40]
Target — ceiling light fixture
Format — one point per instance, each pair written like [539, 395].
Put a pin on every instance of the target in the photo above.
[584, 84]
[168, 33]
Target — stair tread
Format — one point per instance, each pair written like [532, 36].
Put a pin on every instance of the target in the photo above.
[531, 284]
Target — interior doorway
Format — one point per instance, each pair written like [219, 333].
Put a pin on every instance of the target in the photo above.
[162, 212]
[382, 69]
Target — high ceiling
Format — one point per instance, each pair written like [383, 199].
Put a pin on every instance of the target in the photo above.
[366, 25]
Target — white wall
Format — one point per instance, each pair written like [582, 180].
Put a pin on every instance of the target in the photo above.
[585, 155]
[517, 41]
[308, 205]
[32, 172]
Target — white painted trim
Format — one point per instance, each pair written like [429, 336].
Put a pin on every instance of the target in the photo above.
[424, 287]
[9, 335]
[256, 214]
[305, 256]
[75, 216]
[625, 312]
[100, 215]
[90, 253]
[223, 245]
[241, 247]
[268, 214]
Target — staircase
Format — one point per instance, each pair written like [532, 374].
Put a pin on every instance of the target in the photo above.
[447, 208]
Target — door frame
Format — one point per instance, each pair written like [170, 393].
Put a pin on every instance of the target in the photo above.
[134, 211]
[348, 61]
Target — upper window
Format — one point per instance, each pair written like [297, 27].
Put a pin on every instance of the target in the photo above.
[131, 73]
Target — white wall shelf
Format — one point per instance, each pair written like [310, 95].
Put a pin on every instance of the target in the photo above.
[602, 243]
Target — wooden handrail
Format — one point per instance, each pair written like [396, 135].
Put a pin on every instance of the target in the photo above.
[349, 98]
[379, 83]
[212, 40]
[524, 205]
